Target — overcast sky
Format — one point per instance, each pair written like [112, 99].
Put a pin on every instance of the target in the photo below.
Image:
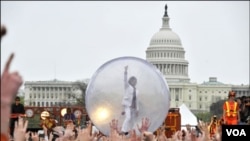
[69, 41]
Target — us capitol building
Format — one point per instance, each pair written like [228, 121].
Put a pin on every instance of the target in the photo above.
[165, 51]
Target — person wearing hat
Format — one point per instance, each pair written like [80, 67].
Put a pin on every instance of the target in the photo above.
[231, 114]
[16, 109]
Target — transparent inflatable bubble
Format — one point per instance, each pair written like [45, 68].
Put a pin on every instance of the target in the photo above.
[128, 96]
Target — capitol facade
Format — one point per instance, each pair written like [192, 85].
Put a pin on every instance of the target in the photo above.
[166, 52]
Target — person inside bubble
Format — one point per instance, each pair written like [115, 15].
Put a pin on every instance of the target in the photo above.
[130, 102]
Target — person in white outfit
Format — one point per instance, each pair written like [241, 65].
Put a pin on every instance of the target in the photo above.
[129, 102]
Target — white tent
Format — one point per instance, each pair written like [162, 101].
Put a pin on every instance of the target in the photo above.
[187, 117]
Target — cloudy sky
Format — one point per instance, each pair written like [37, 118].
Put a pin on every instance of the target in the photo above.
[71, 40]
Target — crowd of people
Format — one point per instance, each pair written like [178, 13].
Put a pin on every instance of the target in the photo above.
[234, 112]
[73, 133]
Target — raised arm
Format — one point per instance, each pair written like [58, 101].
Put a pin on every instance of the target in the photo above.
[126, 77]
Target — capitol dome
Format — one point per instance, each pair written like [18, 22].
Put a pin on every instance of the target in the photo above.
[165, 36]
[165, 51]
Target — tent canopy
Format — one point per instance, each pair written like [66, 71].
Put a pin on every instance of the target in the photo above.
[187, 117]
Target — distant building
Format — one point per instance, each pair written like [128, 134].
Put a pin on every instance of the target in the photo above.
[165, 51]
[50, 93]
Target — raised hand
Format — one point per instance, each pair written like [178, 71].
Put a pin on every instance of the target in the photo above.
[34, 136]
[113, 125]
[10, 83]
[144, 125]
[148, 136]
[161, 135]
[126, 68]
[85, 134]
[20, 129]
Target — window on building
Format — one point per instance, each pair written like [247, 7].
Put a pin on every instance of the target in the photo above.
[34, 103]
[205, 98]
[200, 98]
[30, 95]
[189, 105]
[42, 104]
[190, 97]
[47, 104]
[200, 106]
[38, 104]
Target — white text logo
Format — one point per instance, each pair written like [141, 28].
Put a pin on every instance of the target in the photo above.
[236, 132]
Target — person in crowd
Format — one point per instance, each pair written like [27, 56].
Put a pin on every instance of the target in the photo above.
[212, 126]
[69, 117]
[10, 84]
[129, 102]
[245, 109]
[17, 109]
[231, 114]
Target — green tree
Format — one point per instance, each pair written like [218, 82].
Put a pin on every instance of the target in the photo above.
[204, 116]
[82, 86]
[217, 108]
[22, 99]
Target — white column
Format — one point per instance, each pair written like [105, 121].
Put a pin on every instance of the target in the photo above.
[164, 68]
[168, 69]
[182, 69]
[177, 68]
[173, 68]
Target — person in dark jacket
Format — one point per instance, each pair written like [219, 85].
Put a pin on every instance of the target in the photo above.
[17, 109]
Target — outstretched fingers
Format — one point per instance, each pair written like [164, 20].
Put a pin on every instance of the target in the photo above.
[7, 65]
